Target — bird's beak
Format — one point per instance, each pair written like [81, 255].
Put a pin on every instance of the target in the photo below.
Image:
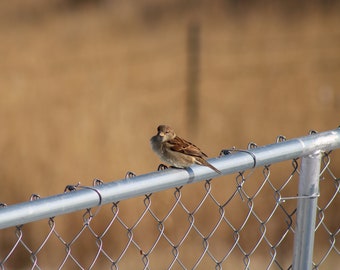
[161, 134]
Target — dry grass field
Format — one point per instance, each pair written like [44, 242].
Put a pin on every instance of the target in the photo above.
[84, 86]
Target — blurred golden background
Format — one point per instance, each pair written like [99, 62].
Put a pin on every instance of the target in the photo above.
[84, 84]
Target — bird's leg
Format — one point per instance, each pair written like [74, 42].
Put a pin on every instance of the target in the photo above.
[162, 167]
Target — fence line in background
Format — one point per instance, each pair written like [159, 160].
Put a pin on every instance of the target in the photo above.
[310, 148]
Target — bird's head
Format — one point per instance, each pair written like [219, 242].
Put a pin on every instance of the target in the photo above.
[166, 133]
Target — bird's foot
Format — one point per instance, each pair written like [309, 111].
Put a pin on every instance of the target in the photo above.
[162, 167]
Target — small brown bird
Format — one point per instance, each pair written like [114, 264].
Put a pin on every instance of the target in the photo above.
[177, 151]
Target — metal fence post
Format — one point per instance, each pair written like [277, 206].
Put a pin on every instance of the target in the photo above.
[306, 211]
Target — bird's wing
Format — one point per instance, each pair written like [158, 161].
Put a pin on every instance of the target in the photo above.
[182, 146]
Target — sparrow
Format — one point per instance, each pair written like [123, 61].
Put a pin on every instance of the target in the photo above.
[177, 151]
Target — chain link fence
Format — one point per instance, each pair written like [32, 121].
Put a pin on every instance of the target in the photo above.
[245, 219]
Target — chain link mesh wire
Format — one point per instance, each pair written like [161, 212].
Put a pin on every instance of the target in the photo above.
[239, 221]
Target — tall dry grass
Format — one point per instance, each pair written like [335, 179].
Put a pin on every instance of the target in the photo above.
[83, 88]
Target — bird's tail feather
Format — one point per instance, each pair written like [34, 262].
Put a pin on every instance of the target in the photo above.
[206, 163]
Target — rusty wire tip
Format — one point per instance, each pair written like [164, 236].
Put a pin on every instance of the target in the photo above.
[311, 132]
[129, 175]
[162, 167]
[2, 205]
[70, 188]
[281, 138]
[97, 182]
[251, 145]
[225, 152]
[34, 197]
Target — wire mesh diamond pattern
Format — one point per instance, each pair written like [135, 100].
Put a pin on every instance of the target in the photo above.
[240, 221]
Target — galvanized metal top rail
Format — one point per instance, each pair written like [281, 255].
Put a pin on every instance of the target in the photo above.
[26, 212]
